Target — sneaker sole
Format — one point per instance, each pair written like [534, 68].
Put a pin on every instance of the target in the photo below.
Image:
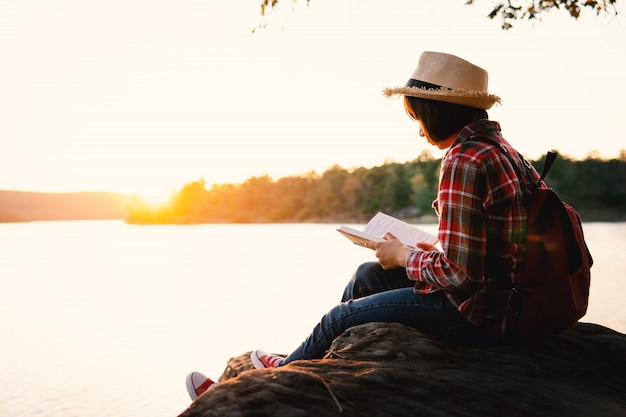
[191, 390]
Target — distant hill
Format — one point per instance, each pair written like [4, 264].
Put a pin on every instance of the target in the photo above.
[21, 206]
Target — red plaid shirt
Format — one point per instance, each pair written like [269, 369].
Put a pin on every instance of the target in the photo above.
[482, 227]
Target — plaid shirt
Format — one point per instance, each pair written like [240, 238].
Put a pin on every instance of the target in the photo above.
[482, 227]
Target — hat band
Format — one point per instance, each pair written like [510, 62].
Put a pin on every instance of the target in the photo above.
[423, 84]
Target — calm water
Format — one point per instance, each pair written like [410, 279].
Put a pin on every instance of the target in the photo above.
[106, 319]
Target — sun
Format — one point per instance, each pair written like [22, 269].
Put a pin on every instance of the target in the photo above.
[157, 196]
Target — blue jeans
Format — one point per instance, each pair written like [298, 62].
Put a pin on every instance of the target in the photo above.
[376, 295]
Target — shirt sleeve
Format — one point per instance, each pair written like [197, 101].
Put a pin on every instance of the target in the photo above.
[459, 267]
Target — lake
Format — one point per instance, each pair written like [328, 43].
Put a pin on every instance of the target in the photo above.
[100, 318]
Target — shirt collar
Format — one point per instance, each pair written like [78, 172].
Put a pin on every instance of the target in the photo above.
[483, 127]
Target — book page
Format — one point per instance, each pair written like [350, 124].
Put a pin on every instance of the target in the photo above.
[410, 235]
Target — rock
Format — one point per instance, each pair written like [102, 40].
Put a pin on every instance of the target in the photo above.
[390, 369]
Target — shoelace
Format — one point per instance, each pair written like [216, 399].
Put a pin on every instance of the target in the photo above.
[272, 360]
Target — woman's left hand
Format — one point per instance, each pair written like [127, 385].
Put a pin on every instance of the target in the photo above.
[391, 253]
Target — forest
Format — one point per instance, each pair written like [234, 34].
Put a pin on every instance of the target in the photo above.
[595, 187]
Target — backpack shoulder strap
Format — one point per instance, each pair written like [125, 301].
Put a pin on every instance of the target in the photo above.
[550, 158]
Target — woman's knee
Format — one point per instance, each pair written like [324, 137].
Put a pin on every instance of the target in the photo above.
[366, 280]
[360, 283]
[367, 270]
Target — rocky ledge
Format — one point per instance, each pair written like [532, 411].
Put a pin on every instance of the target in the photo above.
[390, 369]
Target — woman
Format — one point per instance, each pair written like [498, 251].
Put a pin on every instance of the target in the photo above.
[450, 294]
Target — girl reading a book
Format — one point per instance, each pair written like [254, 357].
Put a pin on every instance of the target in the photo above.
[447, 293]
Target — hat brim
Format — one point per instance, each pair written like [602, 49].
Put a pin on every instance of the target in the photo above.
[475, 99]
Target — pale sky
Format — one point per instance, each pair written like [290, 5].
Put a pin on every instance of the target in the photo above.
[143, 96]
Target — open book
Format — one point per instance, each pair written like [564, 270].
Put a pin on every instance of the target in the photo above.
[382, 223]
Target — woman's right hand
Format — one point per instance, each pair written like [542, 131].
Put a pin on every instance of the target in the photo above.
[427, 247]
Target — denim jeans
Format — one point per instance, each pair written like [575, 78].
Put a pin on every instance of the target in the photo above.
[377, 295]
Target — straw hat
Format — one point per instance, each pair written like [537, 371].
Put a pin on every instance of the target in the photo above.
[445, 77]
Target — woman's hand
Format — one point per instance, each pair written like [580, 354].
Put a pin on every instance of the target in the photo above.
[427, 247]
[391, 253]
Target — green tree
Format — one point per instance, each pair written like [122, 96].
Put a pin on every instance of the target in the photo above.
[256, 199]
[291, 194]
[379, 189]
[221, 202]
[511, 10]
[425, 181]
[189, 205]
[326, 199]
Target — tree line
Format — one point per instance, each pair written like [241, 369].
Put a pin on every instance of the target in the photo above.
[595, 187]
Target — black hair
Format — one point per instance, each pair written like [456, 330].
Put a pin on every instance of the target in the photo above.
[441, 119]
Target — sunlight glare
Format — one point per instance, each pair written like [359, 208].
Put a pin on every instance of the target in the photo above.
[157, 196]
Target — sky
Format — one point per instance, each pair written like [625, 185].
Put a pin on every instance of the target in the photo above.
[141, 96]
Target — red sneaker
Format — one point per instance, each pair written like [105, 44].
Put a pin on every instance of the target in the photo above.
[198, 384]
[262, 360]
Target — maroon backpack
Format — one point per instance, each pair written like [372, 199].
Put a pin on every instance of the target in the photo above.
[553, 290]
